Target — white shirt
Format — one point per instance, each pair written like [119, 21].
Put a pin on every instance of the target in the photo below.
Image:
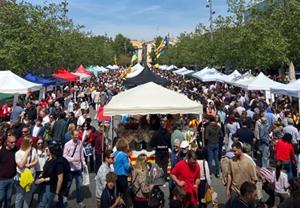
[46, 119]
[35, 130]
[70, 107]
[281, 186]
[204, 165]
[80, 121]
[31, 157]
[42, 158]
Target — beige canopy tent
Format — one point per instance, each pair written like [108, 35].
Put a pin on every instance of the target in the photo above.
[151, 98]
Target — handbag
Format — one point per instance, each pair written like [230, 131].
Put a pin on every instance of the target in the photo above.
[85, 176]
[131, 190]
[88, 149]
[208, 190]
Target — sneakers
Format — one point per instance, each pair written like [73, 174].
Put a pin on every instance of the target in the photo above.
[81, 205]
[65, 200]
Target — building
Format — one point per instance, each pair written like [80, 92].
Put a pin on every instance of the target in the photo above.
[144, 49]
[138, 46]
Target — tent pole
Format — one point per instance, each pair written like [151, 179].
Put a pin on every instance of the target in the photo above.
[16, 98]
[299, 105]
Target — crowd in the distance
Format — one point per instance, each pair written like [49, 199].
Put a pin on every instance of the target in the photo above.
[249, 144]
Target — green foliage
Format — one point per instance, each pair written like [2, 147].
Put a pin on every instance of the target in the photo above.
[42, 38]
[122, 48]
[268, 41]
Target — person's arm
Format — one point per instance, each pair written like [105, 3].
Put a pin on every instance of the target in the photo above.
[174, 176]
[229, 180]
[228, 186]
[66, 153]
[60, 178]
[22, 162]
[126, 163]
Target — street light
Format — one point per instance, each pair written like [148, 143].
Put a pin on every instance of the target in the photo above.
[211, 13]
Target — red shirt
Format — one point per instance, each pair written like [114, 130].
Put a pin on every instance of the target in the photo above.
[284, 151]
[184, 173]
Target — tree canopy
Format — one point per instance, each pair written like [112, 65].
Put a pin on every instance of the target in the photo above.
[43, 38]
[268, 40]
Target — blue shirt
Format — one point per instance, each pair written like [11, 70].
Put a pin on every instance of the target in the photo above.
[121, 165]
[17, 110]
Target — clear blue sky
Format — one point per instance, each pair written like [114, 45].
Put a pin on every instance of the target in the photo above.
[140, 19]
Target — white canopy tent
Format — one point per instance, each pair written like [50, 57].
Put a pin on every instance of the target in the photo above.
[112, 67]
[231, 76]
[213, 77]
[204, 71]
[291, 89]
[186, 72]
[135, 70]
[261, 82]
[178, 71]
[163, 67]
[82, 76]
[151, 98]
[13, 84]
[237, 81]
[171, 67]
[101, 69]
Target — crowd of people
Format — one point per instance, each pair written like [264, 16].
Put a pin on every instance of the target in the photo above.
[249, 143]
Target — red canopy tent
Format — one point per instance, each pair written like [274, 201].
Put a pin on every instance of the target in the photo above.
[62, 73]
[83, 70]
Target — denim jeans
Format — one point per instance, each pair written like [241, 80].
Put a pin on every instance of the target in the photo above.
[45, 196]
[78, 181]
[265, 155]
[23, 198]
[213, 154]
[287, 166]
[52, 204]
[6, 188]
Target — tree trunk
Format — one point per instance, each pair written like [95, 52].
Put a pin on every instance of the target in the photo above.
[292, 74]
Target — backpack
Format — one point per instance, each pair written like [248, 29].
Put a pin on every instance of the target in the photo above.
[156, 198]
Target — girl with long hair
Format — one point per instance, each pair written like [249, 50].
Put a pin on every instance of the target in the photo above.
[26, 157]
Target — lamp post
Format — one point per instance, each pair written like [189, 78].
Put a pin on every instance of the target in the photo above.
[211, 13]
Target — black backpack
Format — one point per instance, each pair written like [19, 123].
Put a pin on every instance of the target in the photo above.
[156, 198]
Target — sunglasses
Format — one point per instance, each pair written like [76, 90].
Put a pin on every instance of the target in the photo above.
[112, 157]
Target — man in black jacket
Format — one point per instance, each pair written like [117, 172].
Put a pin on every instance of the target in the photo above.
[161, 142]
[213, 133]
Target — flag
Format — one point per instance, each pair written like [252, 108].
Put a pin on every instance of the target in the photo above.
[134, 58]
[125, 72]
[160, 49]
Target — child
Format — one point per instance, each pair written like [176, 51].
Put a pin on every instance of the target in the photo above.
[110, 197]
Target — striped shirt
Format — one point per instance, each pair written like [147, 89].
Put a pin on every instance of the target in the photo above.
[266, 174]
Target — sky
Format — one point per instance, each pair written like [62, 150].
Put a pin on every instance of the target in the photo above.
[140, 19]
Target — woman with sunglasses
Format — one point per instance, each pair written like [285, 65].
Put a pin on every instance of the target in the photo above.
[44, 177]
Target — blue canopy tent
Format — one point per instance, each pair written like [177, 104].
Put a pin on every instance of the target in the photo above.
[46, 81]
[39, 80]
